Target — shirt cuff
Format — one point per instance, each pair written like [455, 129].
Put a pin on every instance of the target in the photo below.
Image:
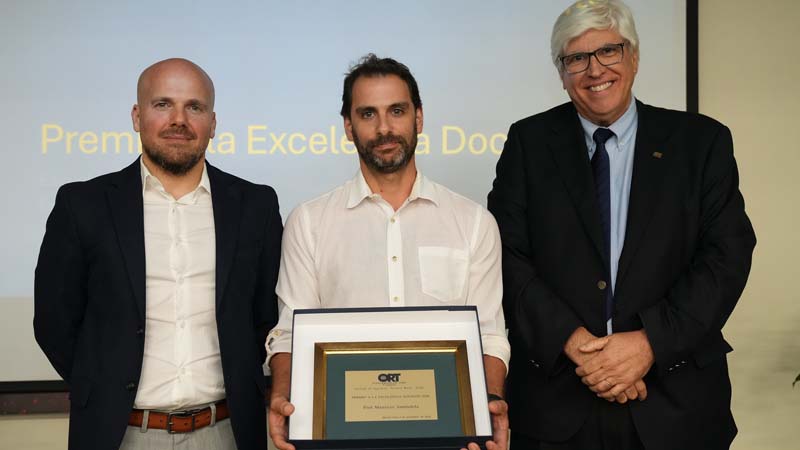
[278, 341]
[498, 347]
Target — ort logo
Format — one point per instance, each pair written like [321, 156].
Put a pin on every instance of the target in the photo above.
[389, 377]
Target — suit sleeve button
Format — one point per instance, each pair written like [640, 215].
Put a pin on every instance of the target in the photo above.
[601, 285]
[130, 386]
[140, 331]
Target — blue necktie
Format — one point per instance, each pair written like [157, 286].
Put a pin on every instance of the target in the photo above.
[602, 182]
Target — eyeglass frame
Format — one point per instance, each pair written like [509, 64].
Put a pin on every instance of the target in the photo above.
[589, 55]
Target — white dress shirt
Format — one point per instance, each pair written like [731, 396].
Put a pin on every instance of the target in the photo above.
[181, 366]
[350, 248]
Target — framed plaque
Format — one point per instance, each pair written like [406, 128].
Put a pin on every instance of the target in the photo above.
[400, 389]
[395, 378]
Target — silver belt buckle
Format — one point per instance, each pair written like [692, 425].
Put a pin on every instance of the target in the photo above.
[181, 415]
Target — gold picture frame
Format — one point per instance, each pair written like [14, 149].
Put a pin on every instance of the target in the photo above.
[324, 350]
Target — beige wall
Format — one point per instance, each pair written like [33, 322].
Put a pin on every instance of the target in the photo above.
[750, 80]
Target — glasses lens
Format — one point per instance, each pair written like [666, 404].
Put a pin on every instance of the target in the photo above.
[609, 54]
[577, 62]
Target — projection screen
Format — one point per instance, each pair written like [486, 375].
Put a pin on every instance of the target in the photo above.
[70, 70]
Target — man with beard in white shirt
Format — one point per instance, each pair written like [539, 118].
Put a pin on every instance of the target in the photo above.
[389, 237]
[155, 285]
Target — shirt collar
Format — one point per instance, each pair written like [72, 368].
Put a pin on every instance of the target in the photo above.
[360, 190]
[623, 127]
[150, 180]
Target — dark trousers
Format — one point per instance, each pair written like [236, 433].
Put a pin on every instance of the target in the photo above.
[608, 427]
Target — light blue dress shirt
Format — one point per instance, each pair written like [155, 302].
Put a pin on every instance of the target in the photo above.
[620, 154]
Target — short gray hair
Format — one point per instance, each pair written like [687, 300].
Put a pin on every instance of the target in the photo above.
[585, 15]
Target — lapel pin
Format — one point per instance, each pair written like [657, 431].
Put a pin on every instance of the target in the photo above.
[657, 155]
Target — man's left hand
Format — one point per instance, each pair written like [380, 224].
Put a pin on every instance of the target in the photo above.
[498, 409]
[622, 359]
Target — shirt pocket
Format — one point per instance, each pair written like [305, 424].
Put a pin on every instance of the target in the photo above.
[443, 272]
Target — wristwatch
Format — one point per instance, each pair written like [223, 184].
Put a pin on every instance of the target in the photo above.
[493, 397]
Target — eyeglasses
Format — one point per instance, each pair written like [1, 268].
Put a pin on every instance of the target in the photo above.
[607, 55]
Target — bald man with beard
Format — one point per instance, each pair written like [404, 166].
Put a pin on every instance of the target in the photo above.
[155, 285]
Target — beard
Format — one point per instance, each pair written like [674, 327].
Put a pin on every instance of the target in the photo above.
[392, 163]
[174, 158]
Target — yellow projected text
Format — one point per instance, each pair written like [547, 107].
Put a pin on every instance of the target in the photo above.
[260, 139]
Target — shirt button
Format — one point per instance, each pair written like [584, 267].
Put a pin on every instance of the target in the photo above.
[393, 220]
[394, 258]
[601, 285]
[182, 323]
[395, 299]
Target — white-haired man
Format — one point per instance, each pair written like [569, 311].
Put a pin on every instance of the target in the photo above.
[625, 249]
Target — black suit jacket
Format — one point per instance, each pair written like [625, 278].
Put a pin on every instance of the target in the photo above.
[684, 264]
[90, 299]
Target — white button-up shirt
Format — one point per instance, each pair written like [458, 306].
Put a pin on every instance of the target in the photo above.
[181, 366]
[350, 248]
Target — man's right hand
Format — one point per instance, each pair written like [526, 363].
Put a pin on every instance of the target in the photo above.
[279, 410]
[572, 349]
[279, 407]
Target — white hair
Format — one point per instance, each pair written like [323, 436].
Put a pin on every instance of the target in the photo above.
[585, 15]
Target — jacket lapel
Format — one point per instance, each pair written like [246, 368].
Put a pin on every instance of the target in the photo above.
[226, 199]
[650, 161]
[125, 201]
[572, 159]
